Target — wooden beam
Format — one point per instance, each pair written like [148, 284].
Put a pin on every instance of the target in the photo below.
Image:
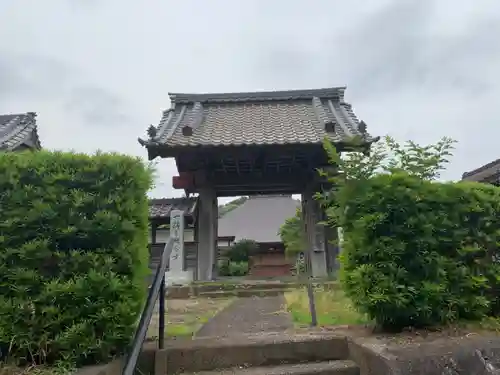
[297, 178]
[263, 191]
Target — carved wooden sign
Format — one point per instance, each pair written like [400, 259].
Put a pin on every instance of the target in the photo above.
[177, 234]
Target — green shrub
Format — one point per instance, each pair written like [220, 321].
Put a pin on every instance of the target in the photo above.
[292, 234]
[223, 267]
[241, 250]
[414, 252]
[229, 268]
[73, 254]
[419, 253]
[238, 268]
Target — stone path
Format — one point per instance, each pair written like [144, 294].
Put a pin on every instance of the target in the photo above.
[249, 315]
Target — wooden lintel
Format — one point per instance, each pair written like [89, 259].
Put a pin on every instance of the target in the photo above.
[263, 191]
[251, 179]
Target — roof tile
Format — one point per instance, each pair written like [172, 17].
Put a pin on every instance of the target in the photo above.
[16, 129]
[484, 173]
[161, 208]
[267, 213]
[279, 117]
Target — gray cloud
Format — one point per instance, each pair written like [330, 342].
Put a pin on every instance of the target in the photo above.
[25, 75]
[45, 79]
[395, 48]
[97, 106]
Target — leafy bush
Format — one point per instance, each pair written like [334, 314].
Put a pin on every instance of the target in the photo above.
[241, 250]
[292, 234]
[415, 252]
[223, 267]
[238, 268]
[229, 268]
[73, 258]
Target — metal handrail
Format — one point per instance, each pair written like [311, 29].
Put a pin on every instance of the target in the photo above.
[156, 290]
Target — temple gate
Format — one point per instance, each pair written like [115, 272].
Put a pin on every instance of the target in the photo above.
[255, 143]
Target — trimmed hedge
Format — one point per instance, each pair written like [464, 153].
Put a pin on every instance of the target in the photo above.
[73, 254]
[420, 253]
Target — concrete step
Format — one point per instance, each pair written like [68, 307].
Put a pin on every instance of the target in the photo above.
[265, 349]
[242, 293]
[319, 368]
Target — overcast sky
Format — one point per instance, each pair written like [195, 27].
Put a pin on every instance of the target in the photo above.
[97, 72]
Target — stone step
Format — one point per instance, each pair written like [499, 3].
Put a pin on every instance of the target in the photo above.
[242, 293]
[198, 289]
[261, 285]
[265, 349]
[339, 367]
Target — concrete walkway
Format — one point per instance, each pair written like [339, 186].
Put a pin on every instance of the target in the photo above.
[249, 315]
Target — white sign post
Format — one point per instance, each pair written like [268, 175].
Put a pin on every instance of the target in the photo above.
[177, 275]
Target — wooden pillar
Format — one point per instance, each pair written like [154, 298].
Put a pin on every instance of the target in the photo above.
[154, 228]
[315, 235]
[207, 233]
[307, 257]
[196, 239]
[215, 252]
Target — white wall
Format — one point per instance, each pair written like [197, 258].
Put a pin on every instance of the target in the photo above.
[162, 235]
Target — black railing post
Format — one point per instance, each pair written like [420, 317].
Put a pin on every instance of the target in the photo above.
[147, 313]
[161, 332]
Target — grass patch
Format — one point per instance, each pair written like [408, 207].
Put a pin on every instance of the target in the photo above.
[489, 324]
[332, 308]
[185, 317]
[8, 369]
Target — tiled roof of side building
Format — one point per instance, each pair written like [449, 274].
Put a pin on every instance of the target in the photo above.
[484, 172]
[17, 130]
[259, 218]
[258, 118]
[161, 208]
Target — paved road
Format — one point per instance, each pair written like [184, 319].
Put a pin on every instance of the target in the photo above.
[249, 315]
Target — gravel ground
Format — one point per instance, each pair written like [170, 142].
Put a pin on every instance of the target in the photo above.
[249, 315]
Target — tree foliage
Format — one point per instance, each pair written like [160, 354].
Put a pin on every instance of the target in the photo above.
[241, 250]
[73, 259]
[292, 234]
[353, 169]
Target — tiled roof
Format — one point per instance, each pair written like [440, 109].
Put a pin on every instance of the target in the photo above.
[17, 130]
[483, 173]
[160, 208]
[259, 218]
[278, 117]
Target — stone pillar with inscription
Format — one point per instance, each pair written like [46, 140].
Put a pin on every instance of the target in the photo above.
[177, 274]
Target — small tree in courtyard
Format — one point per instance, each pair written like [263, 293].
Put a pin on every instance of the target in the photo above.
[237, 257]
[385, 157]
[241, 250]
[292, 234]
